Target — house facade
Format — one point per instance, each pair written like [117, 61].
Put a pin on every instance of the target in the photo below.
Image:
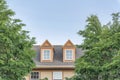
[55, 62]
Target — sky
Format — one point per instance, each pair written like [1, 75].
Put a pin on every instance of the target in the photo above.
[60, 20]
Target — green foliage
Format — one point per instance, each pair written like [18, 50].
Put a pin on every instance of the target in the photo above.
[75, 77]
[44, 78]
[101, 45]
[1, 78]
[15, 46]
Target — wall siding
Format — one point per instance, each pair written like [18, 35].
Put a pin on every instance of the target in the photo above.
[49, 74]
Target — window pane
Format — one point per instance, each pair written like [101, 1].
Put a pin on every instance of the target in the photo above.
[69, 54]
[46, 54]
[57, 75]
[34, 75]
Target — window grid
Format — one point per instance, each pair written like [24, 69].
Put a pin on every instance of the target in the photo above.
[34, 75]
[69, 55]
[46, 54]
[57, 75]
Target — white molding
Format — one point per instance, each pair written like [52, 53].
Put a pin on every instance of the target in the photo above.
[59, 75]
[43, 54]
[72, 54]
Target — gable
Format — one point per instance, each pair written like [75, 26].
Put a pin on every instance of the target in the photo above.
[70, 49]
[68, 44]
[47, 52]
[46, 44]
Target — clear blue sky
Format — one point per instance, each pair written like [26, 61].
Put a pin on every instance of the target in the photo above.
[60, 20]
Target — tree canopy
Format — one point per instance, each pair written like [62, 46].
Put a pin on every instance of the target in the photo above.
[15, 46]
[101, 59]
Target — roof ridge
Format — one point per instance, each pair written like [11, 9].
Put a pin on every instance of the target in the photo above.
[52, 45]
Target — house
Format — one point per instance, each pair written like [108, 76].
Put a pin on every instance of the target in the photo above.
[55, 62]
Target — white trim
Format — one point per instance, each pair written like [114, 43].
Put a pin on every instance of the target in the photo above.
[57, 75]
[43, 54]
[72, 54]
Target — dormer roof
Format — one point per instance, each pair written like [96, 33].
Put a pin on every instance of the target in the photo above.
[69, 44]
[46, 44]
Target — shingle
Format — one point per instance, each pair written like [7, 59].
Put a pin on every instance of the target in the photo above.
[58, 57]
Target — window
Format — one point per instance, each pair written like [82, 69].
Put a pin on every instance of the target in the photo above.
[34, 75]
[57, 75]
[46, 55]
[69, 55]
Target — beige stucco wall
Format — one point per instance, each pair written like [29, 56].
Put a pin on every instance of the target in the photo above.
[49, 74]
[68, 73]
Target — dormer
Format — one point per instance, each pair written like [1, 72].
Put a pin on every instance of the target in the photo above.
[69, 52]
[46, 52]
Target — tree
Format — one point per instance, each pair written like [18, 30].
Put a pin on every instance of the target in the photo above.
[15, 46]
[101, 59]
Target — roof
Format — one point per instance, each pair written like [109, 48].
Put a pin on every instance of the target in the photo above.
[58, 57]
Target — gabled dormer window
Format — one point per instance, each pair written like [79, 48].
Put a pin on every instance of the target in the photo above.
[46, 52]
[69, 52]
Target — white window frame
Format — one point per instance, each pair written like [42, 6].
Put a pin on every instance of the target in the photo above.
[38, 75]
[44, 53]
[59, 75]
[66, 54]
